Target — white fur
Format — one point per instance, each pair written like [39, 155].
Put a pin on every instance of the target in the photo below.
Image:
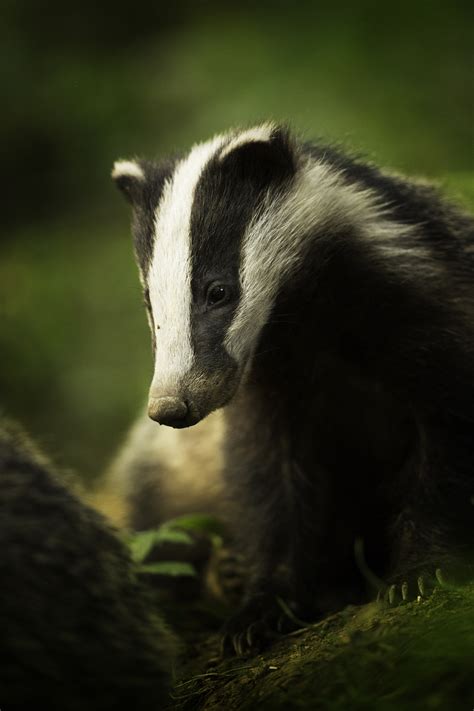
[127, 168]
[169, 276]
[252, 135]
[277, 240]
[181, 469]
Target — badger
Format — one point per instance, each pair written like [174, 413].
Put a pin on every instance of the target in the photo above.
[78, 629]
[162, 473]
[324, 308]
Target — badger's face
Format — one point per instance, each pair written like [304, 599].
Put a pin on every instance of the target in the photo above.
[205, 277]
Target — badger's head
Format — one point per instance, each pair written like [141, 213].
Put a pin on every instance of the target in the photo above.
[206, 277]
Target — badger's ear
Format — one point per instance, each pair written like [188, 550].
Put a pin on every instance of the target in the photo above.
[264, 154]
[129, 176]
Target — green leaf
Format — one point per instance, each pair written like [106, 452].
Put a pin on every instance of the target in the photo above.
[198, 522]
[141, 544]
[172, 568]
[169, 535]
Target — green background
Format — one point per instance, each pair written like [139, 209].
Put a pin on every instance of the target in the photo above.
[87, 83]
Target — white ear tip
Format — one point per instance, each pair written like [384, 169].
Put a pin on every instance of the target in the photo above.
[258, 134]
[128, 169]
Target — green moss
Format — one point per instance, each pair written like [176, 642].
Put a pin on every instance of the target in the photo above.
[416, 656]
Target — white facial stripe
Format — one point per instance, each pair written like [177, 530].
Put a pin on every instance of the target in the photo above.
[127, 168]
[169, 276]
[253, 135]
[274, 243]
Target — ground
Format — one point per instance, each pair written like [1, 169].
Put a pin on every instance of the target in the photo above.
[414, 656]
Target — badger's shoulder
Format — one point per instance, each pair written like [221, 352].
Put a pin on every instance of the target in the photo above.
[411, 200]
[73, 615]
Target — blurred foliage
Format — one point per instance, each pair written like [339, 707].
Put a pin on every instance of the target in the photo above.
[141, 543]
[85, 83]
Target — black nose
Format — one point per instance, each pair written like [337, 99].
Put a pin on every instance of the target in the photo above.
[169, 411]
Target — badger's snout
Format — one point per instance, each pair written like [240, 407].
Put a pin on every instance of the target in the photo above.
[185, 401]
[172, 411]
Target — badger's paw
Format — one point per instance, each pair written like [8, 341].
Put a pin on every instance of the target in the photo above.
[259, 621]
[414, 586]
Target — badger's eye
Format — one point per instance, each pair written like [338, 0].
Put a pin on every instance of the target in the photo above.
[216, 294]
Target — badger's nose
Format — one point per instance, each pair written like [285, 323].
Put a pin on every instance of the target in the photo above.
[169, 411]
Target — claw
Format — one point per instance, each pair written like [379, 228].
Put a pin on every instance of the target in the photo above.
[392, 592]
[405, 591]
[250, 634]
[421, 585]
[242, 644]
[236, 643]
[440, 577]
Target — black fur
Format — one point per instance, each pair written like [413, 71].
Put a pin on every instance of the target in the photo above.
[145, 196]
[77, 629]
[227, 196]
[358, 419]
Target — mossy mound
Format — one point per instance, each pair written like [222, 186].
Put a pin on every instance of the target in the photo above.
[416, 656]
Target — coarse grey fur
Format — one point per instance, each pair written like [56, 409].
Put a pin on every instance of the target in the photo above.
[77, 629]
[341, 352]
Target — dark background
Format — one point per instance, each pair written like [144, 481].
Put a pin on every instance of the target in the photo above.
[86, 83]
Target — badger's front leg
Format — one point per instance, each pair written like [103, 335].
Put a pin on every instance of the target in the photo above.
[261, 529]
[280, 522]
[260, 488]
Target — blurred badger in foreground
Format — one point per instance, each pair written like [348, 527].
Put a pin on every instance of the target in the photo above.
[77, 630]
[327, 308]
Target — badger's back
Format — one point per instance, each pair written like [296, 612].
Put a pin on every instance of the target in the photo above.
[77, 628]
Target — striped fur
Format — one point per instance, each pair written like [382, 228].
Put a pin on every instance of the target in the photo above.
[169, 276]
